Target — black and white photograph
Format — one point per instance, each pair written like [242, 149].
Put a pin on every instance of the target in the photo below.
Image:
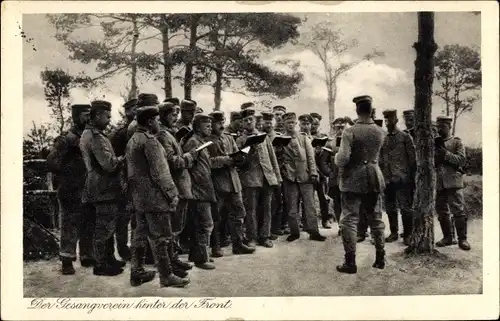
[252, 152]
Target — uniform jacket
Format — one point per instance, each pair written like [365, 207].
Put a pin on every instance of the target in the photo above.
[261, 164]
[131, 128]
[177, 161]
[298, 160]
[202, 186]
[327, 165]
[447, 175]
[318, 152]
[411, 131]
[119, 140]
[66, 162]
[102, 181]
[225, 178]
[397, 157]
[358, 157]
[150, 182]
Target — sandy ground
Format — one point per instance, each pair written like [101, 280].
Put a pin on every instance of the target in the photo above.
[301, 268]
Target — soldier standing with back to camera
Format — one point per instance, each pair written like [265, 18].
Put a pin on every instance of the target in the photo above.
[77, 221]
[450, 159]
[398, 164]
[179, 163]
[119, 141]
[361, 183]
[102, 186]
[154, 195]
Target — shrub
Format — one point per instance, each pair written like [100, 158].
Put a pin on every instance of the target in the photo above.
[473, 196]
[474, 160]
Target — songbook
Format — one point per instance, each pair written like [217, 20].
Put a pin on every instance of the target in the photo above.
[379, 122]
[255, 139]
[338, 141]
[327, 149]
[281, 140]
[183, 131]
[204, 146]
[241, 152]
[319, 142]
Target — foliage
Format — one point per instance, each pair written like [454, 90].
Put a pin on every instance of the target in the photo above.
[474, 160]
[37, 143]
[458, 72]
[473, 196]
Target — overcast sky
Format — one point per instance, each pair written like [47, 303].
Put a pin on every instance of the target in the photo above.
[389, 80]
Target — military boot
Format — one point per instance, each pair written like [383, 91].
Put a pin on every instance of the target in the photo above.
[315, 236]
[124, 252]
[265, 242]
[240, 248]
[201, 259]
[461, 225]
[87, 262]
[452, 230]
[446, 230]
[379, 260]
[150, 258]
[167, 277]
[107, 270]
[110, 249]
[407, 229]
[138, 274]
[393, 224]
[67, 266]
[349, 265]
[178, 266]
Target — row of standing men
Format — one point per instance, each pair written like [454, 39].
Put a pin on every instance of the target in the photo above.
[186, 198]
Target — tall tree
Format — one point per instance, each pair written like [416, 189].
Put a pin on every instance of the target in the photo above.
[327, 43]
[37, 142]
[224, 48]
[117, 52]
[422, 239]
[458, 72]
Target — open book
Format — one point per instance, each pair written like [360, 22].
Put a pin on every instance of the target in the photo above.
[379, 122]
[327, 149]
[319, 142]
[183, 131]
[241, 152]
[255, 139]
[204, 146]
[281, 140]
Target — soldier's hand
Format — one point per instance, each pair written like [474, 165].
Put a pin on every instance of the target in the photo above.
[314, 178]
[194, 153]
[121, 159]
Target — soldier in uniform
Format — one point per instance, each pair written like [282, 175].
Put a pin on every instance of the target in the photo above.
[228, 189]
[102, 186]
[258, 122]
[305, 122]
[299, 174]
[329, 169]
[77, 221]
[361, 183]
[278, 112]
[119, 141]
[247, 105]
[234, 127]
[398, 164]
[409, 118]
[155, 198]
[179, 163]
[203, 192]
[450, 159]
[259, 177]
[326, 217]
[188, 110]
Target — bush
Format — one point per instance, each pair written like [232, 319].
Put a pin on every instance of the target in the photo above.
[474, 160]
[473, 196]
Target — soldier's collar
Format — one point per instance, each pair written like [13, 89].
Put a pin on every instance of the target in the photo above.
[366, 121]
[77, 131]
[394, 132]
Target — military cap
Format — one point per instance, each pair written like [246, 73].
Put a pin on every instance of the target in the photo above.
[147, 112]
[279, 108]
[305, 117]
[201, 118]
[217, 116]
[288, 116]
[316, 115]
[444, 119]
[188, 105]
[361, 99]
[173, 100]
[147, 100]
[247, 112]
[100, 104]
[258, 116]
[247, 105]
[390, 113]
[267, 115]
[131, 103]
[409, 112]
[167, 107]
[199, 110]
[81, 108]
[235, 115]
[339, 121]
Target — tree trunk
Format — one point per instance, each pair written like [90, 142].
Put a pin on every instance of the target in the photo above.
[61, 113]
[331, 87]
[188, 74]
[167, 65]
[422, 239]
[133, 72]
[218, 89]
[455, 116]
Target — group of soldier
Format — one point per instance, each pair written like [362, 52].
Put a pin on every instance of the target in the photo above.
[193, 185]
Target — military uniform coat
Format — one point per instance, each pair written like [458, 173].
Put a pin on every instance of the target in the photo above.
[358, 156]
[202, 186]
[298, 160]
[327, 165]
[397, 157]
[102, 182]
[150, 181]
[225, 179]
[177, 161]
[447, 175]
[261, 164]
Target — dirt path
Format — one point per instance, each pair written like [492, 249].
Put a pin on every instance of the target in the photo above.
[303, 268]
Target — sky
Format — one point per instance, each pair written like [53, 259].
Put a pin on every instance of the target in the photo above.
[388, 79]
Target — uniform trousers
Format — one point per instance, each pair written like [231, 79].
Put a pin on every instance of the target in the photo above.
[351, 204]
[260, 197]
[277, 204]
[106, 213]
[399, 196]
[77, 226]
[122, 222]
[230, 204]
[294, 193]
[200, 214]
[335, 195]
[320, 189]
[450, 209]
